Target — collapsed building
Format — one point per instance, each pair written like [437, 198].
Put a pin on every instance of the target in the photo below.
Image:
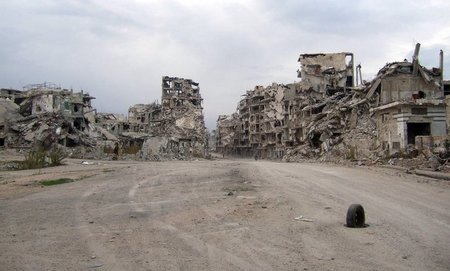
[410, 103]
[175, 128]
[326, 114]
[274, 119]
[181, 105]
[43, 115]
[226, 137]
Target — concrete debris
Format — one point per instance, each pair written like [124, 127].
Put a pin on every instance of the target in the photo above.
[326, 117]
[46, 114]
[300, 218]
[43, 115]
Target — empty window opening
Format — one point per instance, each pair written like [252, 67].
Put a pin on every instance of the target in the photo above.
[446, 88]
[349, 82]
[349, 60]
[77, 124]
[417, 129]
[2, 142]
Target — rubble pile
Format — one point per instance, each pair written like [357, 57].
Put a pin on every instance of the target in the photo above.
[174, 129]
[45, 129]
[325, 116]
[340, 129]
[44, 115]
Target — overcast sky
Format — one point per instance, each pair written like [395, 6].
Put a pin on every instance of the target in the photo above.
[118, 50]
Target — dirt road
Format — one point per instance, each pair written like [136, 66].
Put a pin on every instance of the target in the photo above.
[222, 215]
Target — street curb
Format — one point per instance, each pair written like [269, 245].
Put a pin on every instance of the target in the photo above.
[426, 173]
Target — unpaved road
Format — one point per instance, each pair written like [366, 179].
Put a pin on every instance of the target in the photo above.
[179, 216]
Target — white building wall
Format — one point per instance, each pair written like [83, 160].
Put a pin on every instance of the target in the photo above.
[42, 104]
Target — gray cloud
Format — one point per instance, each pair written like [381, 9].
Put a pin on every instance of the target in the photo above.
[118, 50]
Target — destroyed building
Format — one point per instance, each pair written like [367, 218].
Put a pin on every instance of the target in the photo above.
[326, 73]
[410, 103]
[325, 113]
[46, 113]
[143, 124]
[226, 138]
[276, 118]
[175, 128]
[182, 111]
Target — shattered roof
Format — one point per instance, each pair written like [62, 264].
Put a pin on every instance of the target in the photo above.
[406, 67]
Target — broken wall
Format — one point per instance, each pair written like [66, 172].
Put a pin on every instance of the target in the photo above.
[322, 71]
[407, 87]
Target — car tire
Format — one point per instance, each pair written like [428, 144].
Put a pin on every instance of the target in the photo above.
[355, 216]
